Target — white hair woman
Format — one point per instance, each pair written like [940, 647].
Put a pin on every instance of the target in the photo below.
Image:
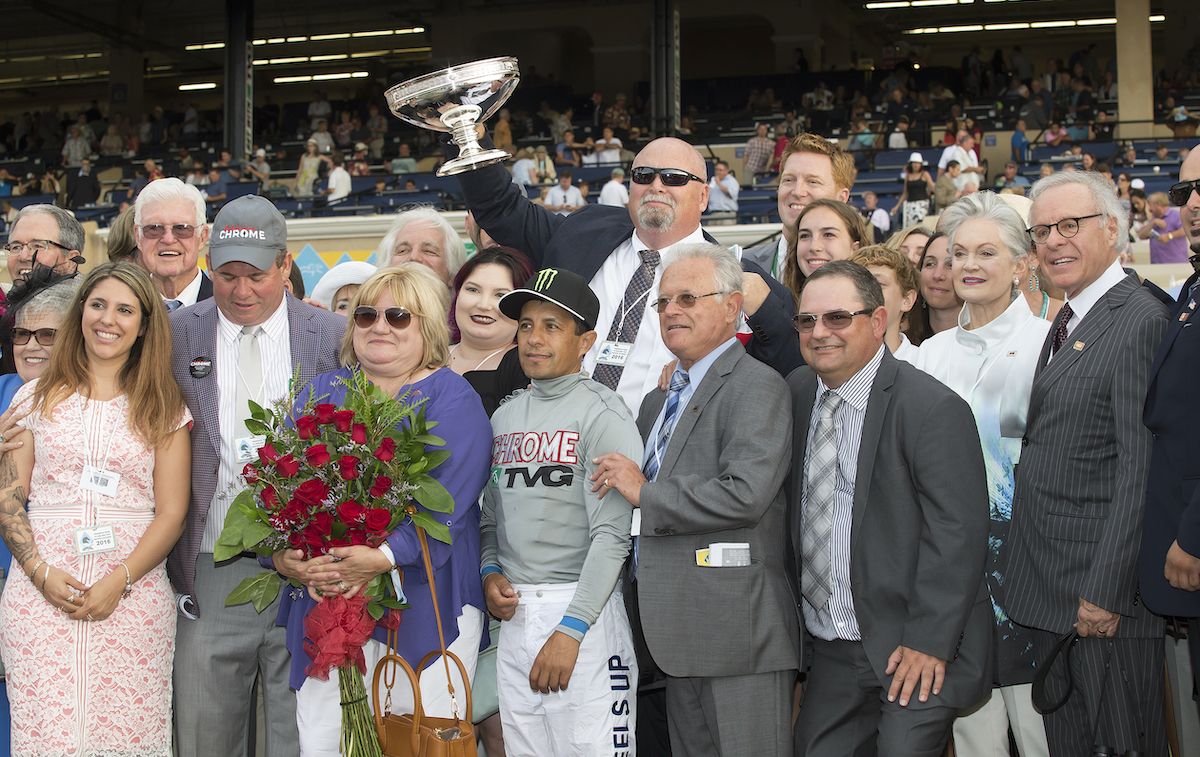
[989, 359]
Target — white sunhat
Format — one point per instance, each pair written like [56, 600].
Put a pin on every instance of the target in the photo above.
[342, 274]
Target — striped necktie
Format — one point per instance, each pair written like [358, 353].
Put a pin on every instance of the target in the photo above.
[816, 579]
[679, 380]
[628, 319]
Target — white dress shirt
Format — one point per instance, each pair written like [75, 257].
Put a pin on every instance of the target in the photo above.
[837, 619]
[274, 343]
[187, 296]
[649, 353]
[1092, 293]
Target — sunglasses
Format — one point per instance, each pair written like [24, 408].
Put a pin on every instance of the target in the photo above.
[834, 320]
[671, 177]
[397, 318]
[178, 230]
[683, 300]
[45, 337]
[1182, 192]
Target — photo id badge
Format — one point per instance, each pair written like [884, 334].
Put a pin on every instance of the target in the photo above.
[247, 447]
[99, 480]
[92, 540]
[614, 353]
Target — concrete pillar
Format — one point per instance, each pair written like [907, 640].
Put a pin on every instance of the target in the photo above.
[239, 77]
[126, 67]
[1135, 69]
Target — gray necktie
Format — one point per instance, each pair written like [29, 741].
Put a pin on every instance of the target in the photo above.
[816, 580]
[249, 383]
[628, 319]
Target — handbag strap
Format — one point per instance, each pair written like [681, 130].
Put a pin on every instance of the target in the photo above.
[1062, 648]
[437, 614]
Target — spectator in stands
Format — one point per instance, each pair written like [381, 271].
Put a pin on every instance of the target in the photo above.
[422, 235]
[951, 149]
[1034, 111]
[1055, 135]
[608, 148]
[231, 167]
[1080, 131]
[1010, 177]
[341, 132]
[614, 192]
[169, 221]
[216, 190]
[897, 276]
[338, 186]
[791, 127]
[259, 169]
[568, 152]
[83, 187]
[111, 143]
[75, 149]
[1124, 184]
[319, 110]
[503, 129]
[1162, 153]
[897, 106]
[404, 162]
[876, 217]
[1164, 229]
[308, 170]
[617, 116]
[543, 166]
[826, 230]
[911, 241]
[563, 198]
[1047, 169]
[323, 138]
[560, 125]
[522, 167]
[377, 125]
[722, 190]
[1020, 143]
[8, 214]
[941, 304]
[1102, 128]
[898, 139]
[45, 234]
[153, 172]
[1082, 101]
[819, 99]
[861, 137]
[972, 173]
[918, 187]
[359, 166]
[759, 151]
[812, 168]
[186, 161]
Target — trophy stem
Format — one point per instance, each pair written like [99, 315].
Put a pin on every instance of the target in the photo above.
[461, 121]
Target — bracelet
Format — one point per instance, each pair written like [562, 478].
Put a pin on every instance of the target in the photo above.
[44, 579]
[35, 569]
[128, 583]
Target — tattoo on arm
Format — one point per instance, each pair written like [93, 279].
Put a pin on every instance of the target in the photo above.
[14, 522]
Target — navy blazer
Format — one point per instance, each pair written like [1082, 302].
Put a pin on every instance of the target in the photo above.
[582, 241]
[1172, 495]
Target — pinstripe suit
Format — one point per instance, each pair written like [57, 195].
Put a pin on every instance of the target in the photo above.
[1077, 519]
[211, 707]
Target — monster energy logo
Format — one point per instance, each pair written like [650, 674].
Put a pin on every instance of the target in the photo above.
[545, 278]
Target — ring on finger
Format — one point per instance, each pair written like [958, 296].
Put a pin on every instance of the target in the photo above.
[89, 617]
[342, 585]
[606, 484]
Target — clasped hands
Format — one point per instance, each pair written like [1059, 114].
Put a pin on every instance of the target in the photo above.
[555, 661]
[344, 571]
[67, 595]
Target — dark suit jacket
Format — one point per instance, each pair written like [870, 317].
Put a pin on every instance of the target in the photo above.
[919, 531]
[720, 480]
[1081, 482]
[316, 337]
[1172, 495]
[582, 241]
[205, 288]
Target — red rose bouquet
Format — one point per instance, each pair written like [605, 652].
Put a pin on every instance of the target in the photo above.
[327, 477]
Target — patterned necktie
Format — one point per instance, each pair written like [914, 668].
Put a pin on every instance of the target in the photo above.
[679, 380]
[628, 319]
[816, 580]
[173, 305]
[249, 379]
[1060, 328]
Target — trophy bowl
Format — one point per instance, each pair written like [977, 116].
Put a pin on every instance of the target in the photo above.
[454, 100]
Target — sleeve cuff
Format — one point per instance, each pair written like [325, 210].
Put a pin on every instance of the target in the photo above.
[386, 549]
[489, 570]
[573, 627]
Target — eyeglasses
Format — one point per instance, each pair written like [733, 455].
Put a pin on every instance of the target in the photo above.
[36, 246]
[683, 300]
[671, 177]
[1068, 227]
[178, 230]
[397, 318]
[834, 320]
[1182, 192]
[45, 337]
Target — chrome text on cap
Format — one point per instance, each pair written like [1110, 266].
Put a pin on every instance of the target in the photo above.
[241, 232]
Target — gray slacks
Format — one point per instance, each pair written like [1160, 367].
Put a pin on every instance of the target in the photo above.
[729, 716]
[216, 659]
[845, 711]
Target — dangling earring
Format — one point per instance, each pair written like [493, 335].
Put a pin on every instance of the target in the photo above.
[1033, 280]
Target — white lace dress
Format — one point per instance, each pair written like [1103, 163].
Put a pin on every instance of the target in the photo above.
[77, 688]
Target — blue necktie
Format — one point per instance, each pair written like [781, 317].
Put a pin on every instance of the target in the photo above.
[679, 380]
[173, 305]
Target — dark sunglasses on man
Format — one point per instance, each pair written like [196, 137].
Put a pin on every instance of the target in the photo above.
[1182, 192]
[671, 177]
[834, 320]
[365, 317]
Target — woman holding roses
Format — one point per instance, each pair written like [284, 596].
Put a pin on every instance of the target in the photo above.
[398, 337]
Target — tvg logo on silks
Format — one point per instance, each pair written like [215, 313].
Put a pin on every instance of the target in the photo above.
[545, 278]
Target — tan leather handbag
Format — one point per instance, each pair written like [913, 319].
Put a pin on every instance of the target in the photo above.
[418, 735]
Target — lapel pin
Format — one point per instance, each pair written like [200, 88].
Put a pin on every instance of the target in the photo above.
[200, 367]
[1079, 346]
[1013, 353]
[1183, 317]
[1192, 305]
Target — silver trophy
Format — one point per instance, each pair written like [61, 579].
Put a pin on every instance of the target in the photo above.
[454, 100]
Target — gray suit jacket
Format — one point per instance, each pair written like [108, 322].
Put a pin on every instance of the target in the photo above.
[919, 530]
[1081, 484]
[316, 337]
[764, 256]
[720, 481]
